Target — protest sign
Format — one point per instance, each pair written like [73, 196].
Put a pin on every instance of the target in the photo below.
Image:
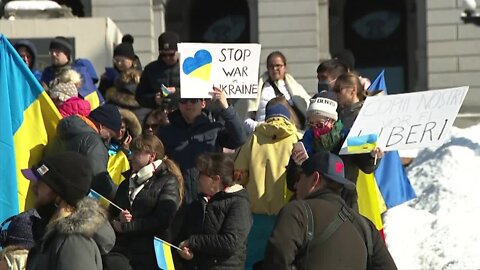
[230, 67]
[408, 121]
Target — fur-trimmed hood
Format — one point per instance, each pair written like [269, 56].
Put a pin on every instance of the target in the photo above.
[121, 98]
[89, 220]
[86, 219]
[131, 121]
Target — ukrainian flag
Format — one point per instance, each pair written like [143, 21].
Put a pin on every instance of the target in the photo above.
[28, 120]
[390, 175]
[163, 253]
[362, 144]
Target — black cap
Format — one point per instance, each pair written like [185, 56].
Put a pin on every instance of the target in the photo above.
[62, 44]
[69, 174]
[107, 115]
[124, 49]
[328, 165]
[168, 41]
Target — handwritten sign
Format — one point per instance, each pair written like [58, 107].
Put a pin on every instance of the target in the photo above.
[230, 67]
[408, 121]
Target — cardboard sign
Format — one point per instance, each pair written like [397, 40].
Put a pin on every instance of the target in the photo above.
[408, 121]
[230, 67]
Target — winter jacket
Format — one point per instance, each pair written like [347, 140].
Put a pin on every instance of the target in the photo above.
[153, 211]
[127, 101]
[33, 52]
[222, 240]
[183, 142]
[76, 134]
[153, 76]
[107, 79]
[75, 105]
[88, 82]
[344, 249]
[299, 95]
[265, 157]
[74, 242]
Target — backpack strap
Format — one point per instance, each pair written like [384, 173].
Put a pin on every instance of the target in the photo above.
[275, 88]
[342, 216]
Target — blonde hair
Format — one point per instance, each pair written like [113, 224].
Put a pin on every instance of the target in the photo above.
[152, 144]
[350, 79]
[70, 75]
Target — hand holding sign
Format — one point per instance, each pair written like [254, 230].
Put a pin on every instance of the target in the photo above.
[219, 96]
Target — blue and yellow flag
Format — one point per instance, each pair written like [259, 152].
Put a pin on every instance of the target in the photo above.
[163, 252]
[362, 144]
[28, 120]
[390, 175]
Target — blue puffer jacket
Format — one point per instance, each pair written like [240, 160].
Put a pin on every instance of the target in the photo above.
[183, 142]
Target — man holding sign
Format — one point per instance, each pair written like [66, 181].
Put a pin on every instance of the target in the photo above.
[191, 132]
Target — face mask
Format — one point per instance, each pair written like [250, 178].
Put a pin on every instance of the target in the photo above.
[319, 131]
[323, 85]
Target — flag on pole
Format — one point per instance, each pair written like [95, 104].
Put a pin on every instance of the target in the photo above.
[163, 252]
[28, 121]
[390, 175]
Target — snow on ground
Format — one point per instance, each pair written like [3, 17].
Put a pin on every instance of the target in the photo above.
[441, 228]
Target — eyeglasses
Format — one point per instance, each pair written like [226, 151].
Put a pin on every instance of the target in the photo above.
[279, 66]
[118, 60]
[191, 100]
[320, 122]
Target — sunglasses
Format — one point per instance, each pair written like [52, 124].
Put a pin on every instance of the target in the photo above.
[170, 55]
[152, 126]
[187, 100]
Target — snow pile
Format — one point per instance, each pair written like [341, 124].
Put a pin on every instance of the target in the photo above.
[439, 229]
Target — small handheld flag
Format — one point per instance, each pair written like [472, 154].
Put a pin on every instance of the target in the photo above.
[97, 195]
[165, 91]
[362, 144]
[163, 252]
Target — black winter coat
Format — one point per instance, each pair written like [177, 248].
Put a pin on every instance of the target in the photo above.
[154, 75]
[222, 239]
[153, 211]
[74, 134]
[183, 142]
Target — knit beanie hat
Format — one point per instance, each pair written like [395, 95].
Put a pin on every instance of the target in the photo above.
[277, 110]
[62, 44]
[64, 91]
[107, 115]
[325, 104]
[68, 173]
[124, 49]
[168, 41]
[19, 231]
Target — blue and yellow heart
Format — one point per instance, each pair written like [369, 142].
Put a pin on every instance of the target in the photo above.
[199, 65]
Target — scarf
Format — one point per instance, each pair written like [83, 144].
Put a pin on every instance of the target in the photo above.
[327, 142]
[138, 180]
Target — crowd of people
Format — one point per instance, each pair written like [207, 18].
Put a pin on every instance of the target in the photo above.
[228, 183]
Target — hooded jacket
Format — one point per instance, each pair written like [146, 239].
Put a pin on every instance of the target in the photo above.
[153, 76]
[75, 242]
[33, 51]
[265, 157]
[221, 242]
[126, 100]
[183, 142]
[75, 134]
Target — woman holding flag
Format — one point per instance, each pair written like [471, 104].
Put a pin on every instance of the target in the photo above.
[150, 198]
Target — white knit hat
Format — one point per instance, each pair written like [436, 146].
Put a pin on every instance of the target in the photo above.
[324, 104]
[64, 91]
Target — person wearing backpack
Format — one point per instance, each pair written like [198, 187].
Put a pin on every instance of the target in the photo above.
[318, 230]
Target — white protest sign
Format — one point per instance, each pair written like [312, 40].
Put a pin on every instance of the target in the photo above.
[408, 121]
[230, 67]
